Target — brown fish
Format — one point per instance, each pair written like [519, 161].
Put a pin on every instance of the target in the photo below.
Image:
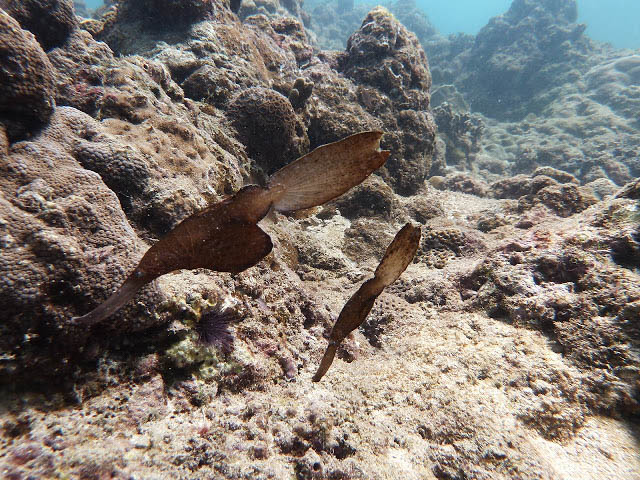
[398, 256]
[225, 236]
[328, 171]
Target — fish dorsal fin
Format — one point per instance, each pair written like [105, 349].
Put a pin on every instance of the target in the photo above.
[328, 171]
[399, 255]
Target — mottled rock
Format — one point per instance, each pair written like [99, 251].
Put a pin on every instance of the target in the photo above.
[27, 77]
[564, 200]
[390, 68]
[564, 291]
[271, 8]
[364, 240]
[439, 245]
[51, 21]
[461, 134]
[558, 175]
[334, 21]
[67, 244]
[81, 66]
[631, 190]
[513, 187]
[168, 13]
[557, 190]
[614, 83]
[518, 56]
[461, 182]
[385, 55]
[300, 92]
[268, 127]
[371, 198]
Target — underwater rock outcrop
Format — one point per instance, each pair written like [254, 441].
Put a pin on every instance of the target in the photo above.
[268, 127]
[51, 21]
[553, 280]
[60, 225]
[384, 55]
[27, 78]
[332, 23]
[461, 134]
[508, 70]
[389, 86]
[271, 8]
[168, 14]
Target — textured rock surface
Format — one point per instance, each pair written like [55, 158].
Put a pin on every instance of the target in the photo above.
[268, 127]
[27, 94]
[393, 97]
[509, 68]
[162, 14]
[334, 21]
[51, 21]
[543, 93]
[66, 243]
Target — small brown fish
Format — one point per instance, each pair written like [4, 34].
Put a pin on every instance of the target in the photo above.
[395, 261]
[225, 236]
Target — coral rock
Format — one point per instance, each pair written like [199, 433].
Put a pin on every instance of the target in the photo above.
[371, 198]
[61, 227]
[51, 21]
[268, 127]
[169, 13]
[27, 78]
[387, 61]
[384, 54]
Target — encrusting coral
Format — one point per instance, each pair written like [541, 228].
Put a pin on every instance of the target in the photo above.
[267, 124]
[27, 93]
[225, 236]
[51, 21]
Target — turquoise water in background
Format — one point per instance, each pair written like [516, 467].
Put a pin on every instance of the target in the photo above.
[93, 3]
[613, 21]
[467, 16]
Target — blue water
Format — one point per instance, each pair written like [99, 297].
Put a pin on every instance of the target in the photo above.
[467, 16]
[93, 3]
[613, 21]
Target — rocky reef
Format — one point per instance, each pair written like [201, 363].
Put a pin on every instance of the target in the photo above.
[507, 349]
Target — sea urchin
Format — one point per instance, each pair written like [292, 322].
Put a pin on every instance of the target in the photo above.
[213, 327]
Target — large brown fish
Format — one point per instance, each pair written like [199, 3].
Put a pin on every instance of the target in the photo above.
[225, 236]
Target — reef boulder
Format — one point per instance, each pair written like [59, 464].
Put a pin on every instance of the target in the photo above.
[268, 127]
[388, 89]
[385, 55]
[507, 71]
[61, 228]
[51, 21]
[27, 78]
[167, 14]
